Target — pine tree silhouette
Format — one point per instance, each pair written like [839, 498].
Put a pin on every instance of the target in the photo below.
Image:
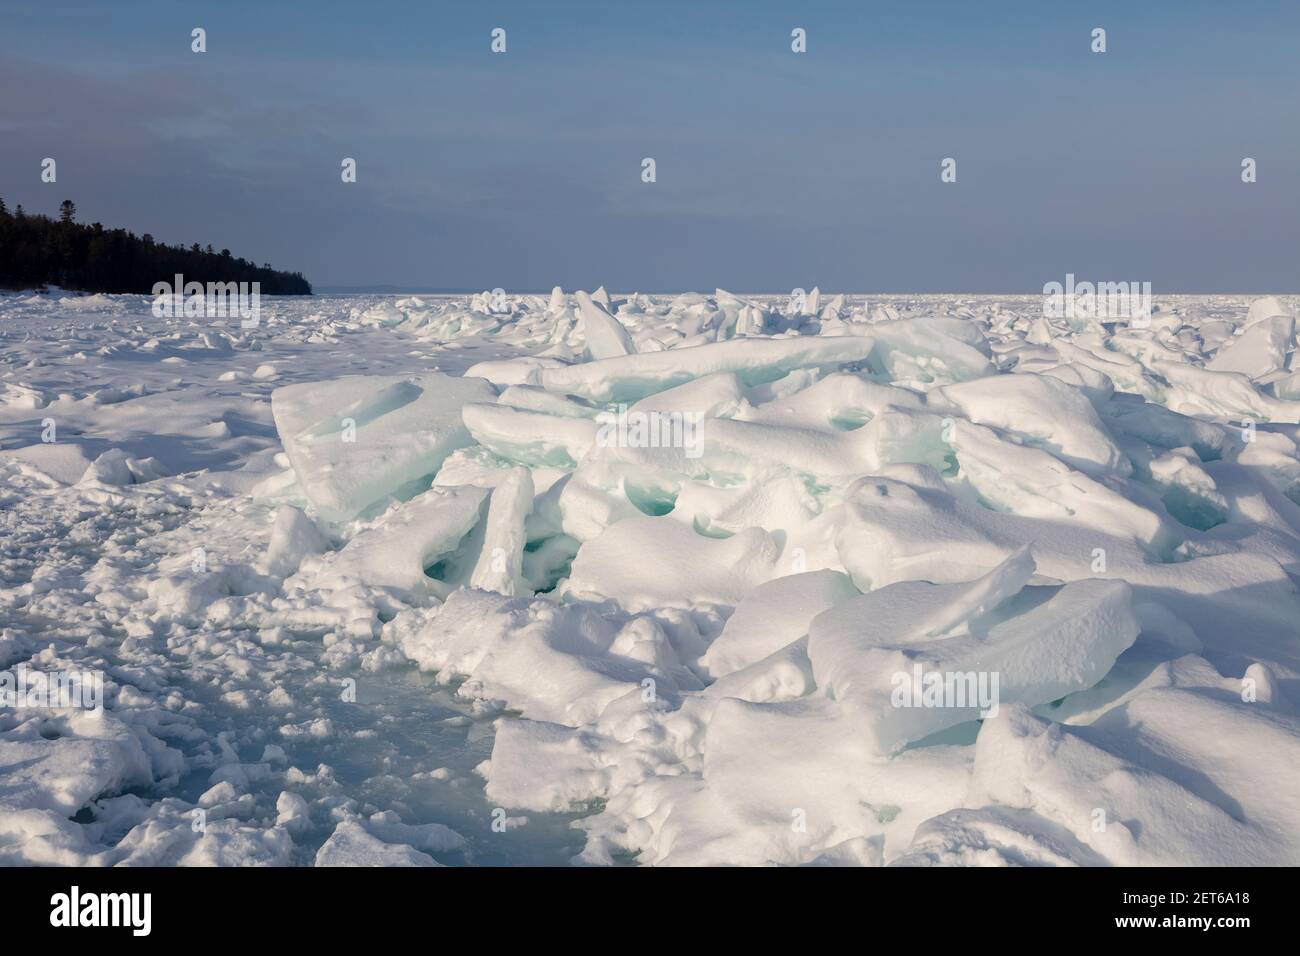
[37, 251]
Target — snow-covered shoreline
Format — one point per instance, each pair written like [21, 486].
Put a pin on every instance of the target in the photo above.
[375, 583]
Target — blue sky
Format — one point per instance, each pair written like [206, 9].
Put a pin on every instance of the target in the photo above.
[775, 169]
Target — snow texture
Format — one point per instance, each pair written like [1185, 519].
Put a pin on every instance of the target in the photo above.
[694, 579]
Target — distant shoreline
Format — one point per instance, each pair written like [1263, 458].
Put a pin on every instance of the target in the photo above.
[415, 291]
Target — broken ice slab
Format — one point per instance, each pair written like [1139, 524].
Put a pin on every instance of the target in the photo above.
[357, 440]
[914, 658]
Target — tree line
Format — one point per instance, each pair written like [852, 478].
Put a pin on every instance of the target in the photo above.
[37, 251]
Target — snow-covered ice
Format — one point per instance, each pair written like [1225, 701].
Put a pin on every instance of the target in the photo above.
[679, 579]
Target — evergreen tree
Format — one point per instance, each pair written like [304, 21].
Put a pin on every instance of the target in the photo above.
[38, 250]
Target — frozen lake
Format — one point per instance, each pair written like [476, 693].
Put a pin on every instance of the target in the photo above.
[654, 565]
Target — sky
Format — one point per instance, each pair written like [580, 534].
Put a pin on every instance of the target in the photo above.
[774, 169]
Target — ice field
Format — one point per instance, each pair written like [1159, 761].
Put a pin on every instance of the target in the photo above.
[632, 579]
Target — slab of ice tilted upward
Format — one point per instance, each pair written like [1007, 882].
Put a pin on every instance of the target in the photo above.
[773, 616]
[927, 351]
[1229, 395]
[1265, 307]
[533, 438]
[356, 441]
[713, 396]
[409, 538]
[529, 398]
[500, 563]
[525, 370]
[606, 337]
[1045, 412]
[631, 377]
[1033, 483]
[879, 652]
[1126, 374]
[1260, 349]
